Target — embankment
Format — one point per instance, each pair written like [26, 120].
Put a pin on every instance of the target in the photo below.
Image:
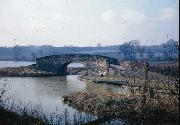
[108, 105]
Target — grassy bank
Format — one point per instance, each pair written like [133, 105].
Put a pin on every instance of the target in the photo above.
[108, 105]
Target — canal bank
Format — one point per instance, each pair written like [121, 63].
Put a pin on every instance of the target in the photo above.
[117, 105]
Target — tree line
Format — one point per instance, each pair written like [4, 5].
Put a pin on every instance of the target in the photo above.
[129, 51]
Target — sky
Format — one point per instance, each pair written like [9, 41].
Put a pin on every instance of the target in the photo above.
[87, 22]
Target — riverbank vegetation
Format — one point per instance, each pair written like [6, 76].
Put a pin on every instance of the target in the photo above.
[116, 105]
[152, 96]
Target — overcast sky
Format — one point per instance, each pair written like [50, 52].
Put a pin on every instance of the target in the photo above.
[87, 22]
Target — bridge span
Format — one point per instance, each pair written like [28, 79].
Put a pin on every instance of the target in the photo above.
[95, 64]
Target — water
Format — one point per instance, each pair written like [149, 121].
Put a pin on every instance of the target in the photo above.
[47, 92]
[76, 65]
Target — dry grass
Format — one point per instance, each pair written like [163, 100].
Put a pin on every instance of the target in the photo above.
[107, 105]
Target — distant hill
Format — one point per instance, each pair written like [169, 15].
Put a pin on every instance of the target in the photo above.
[127, 51]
